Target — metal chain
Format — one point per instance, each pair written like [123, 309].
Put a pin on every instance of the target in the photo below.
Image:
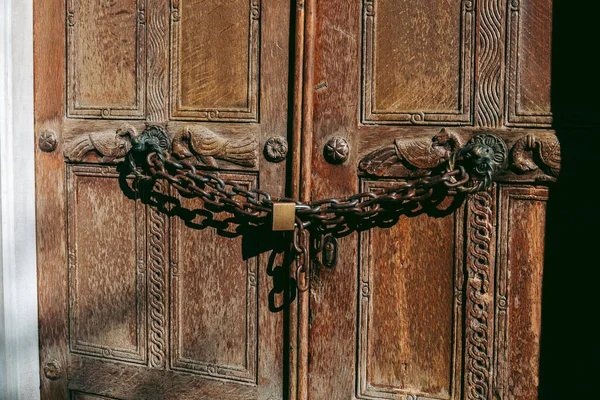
[255, 205]
[484, 155]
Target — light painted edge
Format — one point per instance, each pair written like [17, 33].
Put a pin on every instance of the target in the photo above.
[19, 365]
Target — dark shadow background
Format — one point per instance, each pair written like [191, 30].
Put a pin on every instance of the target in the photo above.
[570, 337]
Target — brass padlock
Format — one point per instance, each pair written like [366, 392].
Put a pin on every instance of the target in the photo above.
[284, 216]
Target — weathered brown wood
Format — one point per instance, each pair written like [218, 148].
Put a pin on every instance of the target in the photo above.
[214, 70]
[107, 261]
[310, 17]
[107, 266]
[154, 297]
[519, 291]
[410, 307]
[204, 261]
[295, 184]
[49, 105]
[417, 60]
[529, 35]
[109, 39]
[381, 69]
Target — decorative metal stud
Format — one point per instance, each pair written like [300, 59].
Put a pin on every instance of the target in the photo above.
[48, 141]
[336, 150]
[52, 370]
[276, 149]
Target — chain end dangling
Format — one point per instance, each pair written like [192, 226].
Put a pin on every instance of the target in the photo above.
[300, 248]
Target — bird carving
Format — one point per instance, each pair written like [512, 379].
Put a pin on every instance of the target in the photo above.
[547, 151]
[418, 154]
[208, 147]
[109, 145]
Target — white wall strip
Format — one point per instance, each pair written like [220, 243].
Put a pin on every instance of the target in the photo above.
[19, 377]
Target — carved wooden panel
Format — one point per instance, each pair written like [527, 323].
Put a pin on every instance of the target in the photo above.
[479, 312]
[107, 266]
[417, 61]
[529, 36]
[158, 16]
[410, 308]
[519, 291]
[214, 334]
[157, 248]
[214, 60]
[491, 21]
[106, 52]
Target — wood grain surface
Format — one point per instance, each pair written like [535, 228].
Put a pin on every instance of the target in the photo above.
[153, 296]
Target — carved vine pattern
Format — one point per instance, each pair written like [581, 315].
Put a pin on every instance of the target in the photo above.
[156, 258]
[478, 295]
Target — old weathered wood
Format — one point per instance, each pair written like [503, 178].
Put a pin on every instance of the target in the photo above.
[139, 299]
[425, 309]
[156, 297]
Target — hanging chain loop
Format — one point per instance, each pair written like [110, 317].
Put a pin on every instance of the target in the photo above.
[469, 169]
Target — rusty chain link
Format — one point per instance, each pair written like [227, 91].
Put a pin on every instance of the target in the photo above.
[256, 206]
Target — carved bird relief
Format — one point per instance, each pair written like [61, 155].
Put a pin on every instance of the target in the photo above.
[529, 149]
[208, 147]
[416, 154]
[109, 145]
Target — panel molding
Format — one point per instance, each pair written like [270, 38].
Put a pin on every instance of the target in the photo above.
[364, 388]
[93, 349]
[179, 362]
[245, 114]
[134, 111]
[515, 115]
[460, 116]
[507, 195]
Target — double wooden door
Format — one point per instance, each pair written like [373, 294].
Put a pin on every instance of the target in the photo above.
[308, 99]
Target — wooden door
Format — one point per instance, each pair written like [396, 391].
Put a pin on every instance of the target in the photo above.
[138, 299]
[155, 296]
[445, 303]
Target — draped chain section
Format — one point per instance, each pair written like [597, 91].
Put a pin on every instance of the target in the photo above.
[469, 169]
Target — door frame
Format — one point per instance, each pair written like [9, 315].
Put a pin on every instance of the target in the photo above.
[19, 356]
